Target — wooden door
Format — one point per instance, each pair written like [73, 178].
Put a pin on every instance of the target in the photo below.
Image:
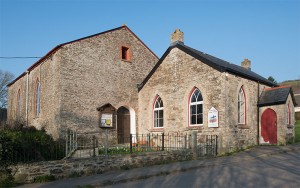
[123, 127]
[269, 126]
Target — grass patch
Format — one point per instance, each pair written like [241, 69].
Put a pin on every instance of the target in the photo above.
[45, 178]
[297, 131]
[126, 150]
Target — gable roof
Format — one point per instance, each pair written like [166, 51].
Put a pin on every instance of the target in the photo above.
[214, 62]
[276, 96]
[55, 49]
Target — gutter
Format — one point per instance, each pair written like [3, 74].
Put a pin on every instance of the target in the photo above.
[258, 108]
[27, 93]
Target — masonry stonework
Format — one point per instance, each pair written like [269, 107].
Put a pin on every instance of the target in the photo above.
[80, 76]
[285, 129]
[174, 80]
[27, 173]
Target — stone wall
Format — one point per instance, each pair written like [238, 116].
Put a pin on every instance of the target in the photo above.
[174, 80]
[285, 131]
[81, 76]
[12, 117]
[237, 135]
[47, 73]
[79, 167]
[93, 74]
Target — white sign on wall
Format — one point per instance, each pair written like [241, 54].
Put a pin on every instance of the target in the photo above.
[106, 120]
[213, 118]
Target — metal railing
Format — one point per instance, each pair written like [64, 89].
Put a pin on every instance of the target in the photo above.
[87, 144]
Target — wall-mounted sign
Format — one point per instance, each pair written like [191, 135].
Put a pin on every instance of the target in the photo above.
[213, 118]
[106, 120]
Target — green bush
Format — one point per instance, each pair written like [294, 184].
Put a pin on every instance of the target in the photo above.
[29, 144]
[6, 154]
[25, 145]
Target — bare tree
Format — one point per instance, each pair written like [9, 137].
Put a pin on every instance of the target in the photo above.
[5, 78]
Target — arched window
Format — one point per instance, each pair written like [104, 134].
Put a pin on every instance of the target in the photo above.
[38, 98]
[241, 107]
[18, 103]
[288, 114]
[158, 113]
[196, 108]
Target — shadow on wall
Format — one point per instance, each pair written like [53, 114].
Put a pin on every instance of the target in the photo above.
[82, 125]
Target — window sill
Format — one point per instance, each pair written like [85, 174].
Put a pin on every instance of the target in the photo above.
[128, 61]
[290, 126]
[157, 130]
[195, 127]
[243, 126]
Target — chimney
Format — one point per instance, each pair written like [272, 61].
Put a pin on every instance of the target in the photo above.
[246, 64]
[177, 36]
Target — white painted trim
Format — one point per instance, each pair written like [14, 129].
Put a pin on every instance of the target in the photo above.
[132, 122]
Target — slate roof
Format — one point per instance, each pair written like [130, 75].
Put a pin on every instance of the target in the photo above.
[275, 96]
[214, 62]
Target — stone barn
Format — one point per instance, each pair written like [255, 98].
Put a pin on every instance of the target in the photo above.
[112, 79]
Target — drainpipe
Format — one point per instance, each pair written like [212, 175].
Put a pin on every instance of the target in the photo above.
[258, 112]
[27, 92]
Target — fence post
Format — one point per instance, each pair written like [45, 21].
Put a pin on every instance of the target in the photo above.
[67, 136]
[130, 143]
[216, 145]
[148, 143]
[185, 141]
[76, 144]
[94, 146]
[163, 141]
[194, 144]
[70, 139]
[73, 140]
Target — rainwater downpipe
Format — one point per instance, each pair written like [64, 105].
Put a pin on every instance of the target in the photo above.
[27, 92]
[258, 112]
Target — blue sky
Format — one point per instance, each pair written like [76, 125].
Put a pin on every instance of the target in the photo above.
[265, 31]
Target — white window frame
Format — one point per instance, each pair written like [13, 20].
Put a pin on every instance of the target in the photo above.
[195, 104]
[156, 122]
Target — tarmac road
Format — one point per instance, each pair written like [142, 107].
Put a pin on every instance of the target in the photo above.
[281, 170]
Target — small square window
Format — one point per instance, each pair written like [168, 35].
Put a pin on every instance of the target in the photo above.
[125, 53]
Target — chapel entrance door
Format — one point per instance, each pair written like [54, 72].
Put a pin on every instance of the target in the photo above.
[123, 125]
[269, 126]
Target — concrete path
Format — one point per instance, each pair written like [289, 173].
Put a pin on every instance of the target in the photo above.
[247, 159]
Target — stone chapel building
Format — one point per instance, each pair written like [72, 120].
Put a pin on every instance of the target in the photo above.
[76, 81]
[112, 79]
